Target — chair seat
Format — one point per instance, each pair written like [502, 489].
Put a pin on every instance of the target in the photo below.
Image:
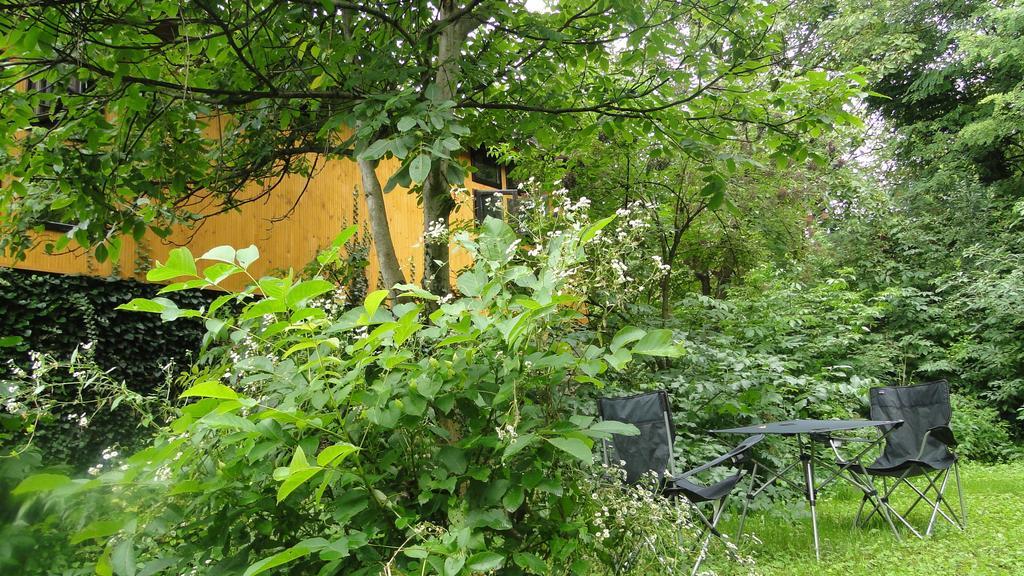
[909, 467]
[698, 493]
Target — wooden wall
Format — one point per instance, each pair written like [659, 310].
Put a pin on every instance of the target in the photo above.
[331, 201]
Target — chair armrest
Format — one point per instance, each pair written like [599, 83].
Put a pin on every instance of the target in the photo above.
[943, 434]
[731, 458]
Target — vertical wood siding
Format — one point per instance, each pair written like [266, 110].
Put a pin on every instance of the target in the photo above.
[331, 201]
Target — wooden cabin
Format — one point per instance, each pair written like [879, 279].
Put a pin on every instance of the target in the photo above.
[292, 225]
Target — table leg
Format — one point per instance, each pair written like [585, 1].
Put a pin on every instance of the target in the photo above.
[808, 460]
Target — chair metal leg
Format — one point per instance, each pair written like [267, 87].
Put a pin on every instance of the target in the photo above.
[746, 504]
[860, 510]
[960, 495]
[811, 499]
[938, 502]
[716, 513]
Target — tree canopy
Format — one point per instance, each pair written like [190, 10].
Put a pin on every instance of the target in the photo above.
[130, 113]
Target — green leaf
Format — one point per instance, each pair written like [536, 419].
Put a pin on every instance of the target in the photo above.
[485, 561]
[375, 150]
[454, 564]
[247, 256]
[626, 335]
[304, 548]
[530, 562]
[294, 480]
[517, 445]
[373, 300]
[619, 359]
[103, 565]
[344, 236]
[40, 483]
[575, 447]
[143, 305]
[216, 273]
[406, 123]
[305, 290]
[210, 389]
[221, 254]
[299, 459]
[335, 454]
[8, 341]
[97, 529]
[513, 498]
[657, 343]
[419, 168]
[122, 558]
[453, 458]
[714, 189]
[471, 283]
[614, 427]
[179, 263]
[594, 228]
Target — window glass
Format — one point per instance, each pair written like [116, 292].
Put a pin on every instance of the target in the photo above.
[486, 169]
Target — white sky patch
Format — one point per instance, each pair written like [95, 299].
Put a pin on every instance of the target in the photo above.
[537, 6]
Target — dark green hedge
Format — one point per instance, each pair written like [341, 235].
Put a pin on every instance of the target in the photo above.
[54, 313]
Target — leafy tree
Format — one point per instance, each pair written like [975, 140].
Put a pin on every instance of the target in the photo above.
[135, 111]
[937, 212]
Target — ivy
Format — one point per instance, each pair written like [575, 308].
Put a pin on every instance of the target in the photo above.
[55, 314]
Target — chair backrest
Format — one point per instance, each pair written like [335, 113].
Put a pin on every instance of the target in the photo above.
[652, 449]
[921, 407]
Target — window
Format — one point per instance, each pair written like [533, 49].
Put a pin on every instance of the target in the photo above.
[488, 203]
[498, 204]
[487, 171]
[47, 110]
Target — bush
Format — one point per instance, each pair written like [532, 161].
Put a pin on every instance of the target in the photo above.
[982, 435]
[437, 436]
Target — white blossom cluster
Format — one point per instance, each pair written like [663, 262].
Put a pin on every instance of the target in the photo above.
[638, 525]
[437, 231]
[333, 304]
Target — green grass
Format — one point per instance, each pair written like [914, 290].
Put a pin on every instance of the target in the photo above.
[993, 543]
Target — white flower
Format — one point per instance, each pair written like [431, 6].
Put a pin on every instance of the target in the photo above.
[661, 265]
[436, 231]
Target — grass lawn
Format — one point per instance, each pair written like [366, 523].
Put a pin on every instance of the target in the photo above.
[993, 543]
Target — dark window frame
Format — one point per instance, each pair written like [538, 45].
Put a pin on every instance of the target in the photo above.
[485, 167]
[509, 203]
[46, 112]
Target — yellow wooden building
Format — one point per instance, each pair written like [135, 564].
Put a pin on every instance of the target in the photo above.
[292, 225]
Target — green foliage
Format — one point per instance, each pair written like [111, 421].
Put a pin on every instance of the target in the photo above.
[982, 435]
[380, 439]
[55, 315]
[275, 88]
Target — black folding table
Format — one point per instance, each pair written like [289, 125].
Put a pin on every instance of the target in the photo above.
[806, 433]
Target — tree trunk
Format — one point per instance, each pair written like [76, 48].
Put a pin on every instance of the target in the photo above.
[666, 296]
[705, 282]
[387, 261]
[437, 207]
[437, 199]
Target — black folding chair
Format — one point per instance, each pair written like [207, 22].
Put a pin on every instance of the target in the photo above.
[921, 448]
[651, 451]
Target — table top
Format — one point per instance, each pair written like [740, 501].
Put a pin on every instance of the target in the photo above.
[792, 427]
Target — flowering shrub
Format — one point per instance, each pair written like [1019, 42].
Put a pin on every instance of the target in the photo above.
[390, 440]
[48, 393]
[619, 270]
[637, 531]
